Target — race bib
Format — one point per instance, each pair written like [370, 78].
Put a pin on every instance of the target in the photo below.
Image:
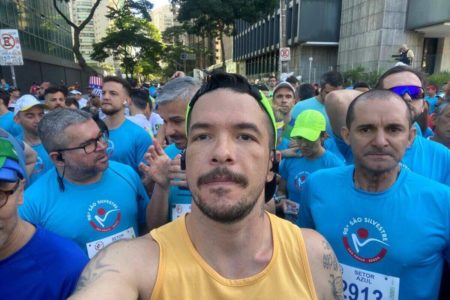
[180, 209]
[360, 284]
[94, 247]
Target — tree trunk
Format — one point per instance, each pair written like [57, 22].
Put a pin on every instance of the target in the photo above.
[76, 50]
[222, 51]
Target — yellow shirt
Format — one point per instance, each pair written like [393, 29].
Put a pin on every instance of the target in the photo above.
[183, 274]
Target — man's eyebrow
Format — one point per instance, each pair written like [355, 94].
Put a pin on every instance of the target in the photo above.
[200, 126]
[242, 125]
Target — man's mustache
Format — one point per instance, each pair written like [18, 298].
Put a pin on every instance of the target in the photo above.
[222, 174]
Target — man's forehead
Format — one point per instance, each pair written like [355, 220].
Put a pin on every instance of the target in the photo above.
[401, 78]
[112, 86]
[374, 108]
[283, 90]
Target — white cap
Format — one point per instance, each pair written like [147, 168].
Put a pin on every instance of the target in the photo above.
[75, 92]
[26, 102]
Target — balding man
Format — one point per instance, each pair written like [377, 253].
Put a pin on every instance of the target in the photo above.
[374, 200]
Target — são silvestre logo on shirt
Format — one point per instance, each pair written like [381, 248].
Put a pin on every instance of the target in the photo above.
[104, 215]
[365, 239]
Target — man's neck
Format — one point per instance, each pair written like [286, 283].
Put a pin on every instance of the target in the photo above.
[319, 98]
[114, 121]
[236, 250]
[21, 234]
[88, 179]
[371, 182]
[30, 138]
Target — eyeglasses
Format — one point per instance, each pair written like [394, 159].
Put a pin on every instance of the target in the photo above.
[4, 195]
[91, 145]
[415, 92]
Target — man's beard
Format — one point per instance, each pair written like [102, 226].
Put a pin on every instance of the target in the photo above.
[110, 110]
[239, 210]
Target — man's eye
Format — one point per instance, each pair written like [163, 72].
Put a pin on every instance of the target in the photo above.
[200, 137]
[246, 137]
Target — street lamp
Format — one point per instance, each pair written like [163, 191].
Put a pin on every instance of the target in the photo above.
[310, 65]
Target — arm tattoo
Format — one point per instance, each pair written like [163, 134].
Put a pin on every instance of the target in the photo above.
[96, 269]
[330, 264]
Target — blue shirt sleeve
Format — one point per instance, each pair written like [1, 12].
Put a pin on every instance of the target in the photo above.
[305, 218]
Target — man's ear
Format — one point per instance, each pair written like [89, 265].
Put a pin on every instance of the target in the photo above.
[412, 135]
[345, 133]
[57, 158]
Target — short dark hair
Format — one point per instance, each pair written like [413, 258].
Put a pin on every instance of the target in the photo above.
[140, 98]
[333, 78]
[72, 101]
[361, 84]
[236, 83]
[272, 76]
[292, 80]
[306, 91]
[399, 69]
[53, 90]
[379, 95]
[126, 85]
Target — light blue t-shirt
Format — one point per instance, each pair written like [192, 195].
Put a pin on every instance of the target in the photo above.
[43, 161]
[128, 143]
[311, 103]
[388, 243]
[92, 215]
[432, 102]
[296, 170]
[338, 147]
[8, 124]
[180, 199]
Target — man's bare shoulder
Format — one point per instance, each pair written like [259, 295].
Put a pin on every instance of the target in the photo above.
[324, 266]
[123, 270]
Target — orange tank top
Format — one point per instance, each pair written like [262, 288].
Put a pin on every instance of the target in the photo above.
[183, 274]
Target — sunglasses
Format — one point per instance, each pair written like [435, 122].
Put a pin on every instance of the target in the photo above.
[415, 92]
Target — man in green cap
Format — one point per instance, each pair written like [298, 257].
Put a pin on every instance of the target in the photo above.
[309, 132]
[34, 263]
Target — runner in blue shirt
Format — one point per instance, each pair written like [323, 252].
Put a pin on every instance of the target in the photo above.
[388, 226]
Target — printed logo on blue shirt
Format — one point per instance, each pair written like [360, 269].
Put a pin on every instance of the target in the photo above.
[300, 179]
[110, 148]
[365, 239]
[104, 215]
[38, 166]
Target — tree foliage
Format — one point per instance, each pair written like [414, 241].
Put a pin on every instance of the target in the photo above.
[216, 18]
[132, 39]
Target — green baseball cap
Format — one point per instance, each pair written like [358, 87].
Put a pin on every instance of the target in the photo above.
[10, 169]
[309, 124]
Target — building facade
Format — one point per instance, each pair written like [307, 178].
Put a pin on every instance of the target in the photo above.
[344, 34]
[46, 42]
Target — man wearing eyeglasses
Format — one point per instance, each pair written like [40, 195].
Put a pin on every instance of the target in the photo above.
[34, 263]
[86, 197]
[424, 157]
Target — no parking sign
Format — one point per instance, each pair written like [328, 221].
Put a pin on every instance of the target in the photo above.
[285, 54]
[10, 50]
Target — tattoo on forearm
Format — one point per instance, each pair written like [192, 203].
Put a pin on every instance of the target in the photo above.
[336, 286]
[96, 269]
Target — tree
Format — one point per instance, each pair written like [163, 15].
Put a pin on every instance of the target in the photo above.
[132, 38]
[76, 32]
[217, 18]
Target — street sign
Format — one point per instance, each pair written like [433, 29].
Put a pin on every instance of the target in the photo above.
[188, 56]
[10, 50]
[285, 54]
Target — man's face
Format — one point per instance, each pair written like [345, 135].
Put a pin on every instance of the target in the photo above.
[284, 100]
[15, 94]
[55, 100]
[8, 213]
[79, 165]
[174, 114]
[379, 134]
[273, 82]
[406, 78]
[30, 119]
[42, 88]
[442, 124]
[309, 149]
[114, 98]
[228, 157]
[431, 91]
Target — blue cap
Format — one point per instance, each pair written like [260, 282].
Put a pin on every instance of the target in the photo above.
[12, 165]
